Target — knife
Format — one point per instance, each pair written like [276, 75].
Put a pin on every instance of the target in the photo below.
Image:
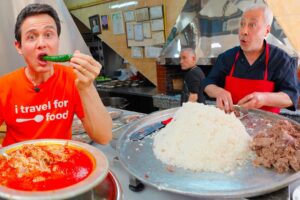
[147, 130]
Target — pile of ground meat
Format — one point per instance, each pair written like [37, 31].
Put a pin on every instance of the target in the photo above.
[278, 147]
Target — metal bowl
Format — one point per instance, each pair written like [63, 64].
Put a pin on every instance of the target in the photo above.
[98, 174]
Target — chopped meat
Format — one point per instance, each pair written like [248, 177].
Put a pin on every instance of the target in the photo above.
[37, 158]
[278, 147]
[261, 142]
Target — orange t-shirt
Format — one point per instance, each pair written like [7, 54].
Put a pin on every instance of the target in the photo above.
[45, 114]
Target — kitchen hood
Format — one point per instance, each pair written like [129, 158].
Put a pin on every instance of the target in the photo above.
[211, 27]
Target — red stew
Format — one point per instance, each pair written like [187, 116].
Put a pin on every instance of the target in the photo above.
[44, 167]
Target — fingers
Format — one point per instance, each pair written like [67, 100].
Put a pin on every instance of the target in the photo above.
[246, 99]
[82, 72]
[228, 105]
[224, 101]
[84, 63]
[253, 100]
[86, 69]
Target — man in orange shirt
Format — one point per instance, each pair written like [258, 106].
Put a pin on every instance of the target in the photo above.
[40, 99]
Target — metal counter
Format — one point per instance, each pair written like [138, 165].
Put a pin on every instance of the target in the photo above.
[140, 91]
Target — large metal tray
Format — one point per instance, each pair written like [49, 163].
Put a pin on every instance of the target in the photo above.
[247, 181]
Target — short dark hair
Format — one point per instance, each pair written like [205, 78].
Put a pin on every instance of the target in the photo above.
[35, 9]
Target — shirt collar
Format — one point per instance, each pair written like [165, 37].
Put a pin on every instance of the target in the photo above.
[261, 58]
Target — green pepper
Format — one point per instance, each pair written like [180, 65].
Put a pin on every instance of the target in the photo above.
[58, 58]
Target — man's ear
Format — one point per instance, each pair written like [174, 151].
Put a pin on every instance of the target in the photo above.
[18, 47]
[194, 58]
[268, 30]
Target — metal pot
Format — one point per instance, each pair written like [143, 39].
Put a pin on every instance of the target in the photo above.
[115, 102]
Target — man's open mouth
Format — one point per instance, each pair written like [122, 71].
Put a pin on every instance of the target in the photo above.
[40, 56]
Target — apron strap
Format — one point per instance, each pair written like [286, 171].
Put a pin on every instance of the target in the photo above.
[233, 65]
[266, 62]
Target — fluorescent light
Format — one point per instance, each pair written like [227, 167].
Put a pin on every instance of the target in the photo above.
[176, 55]
[178, 45]
[215, 45]
[121, 5]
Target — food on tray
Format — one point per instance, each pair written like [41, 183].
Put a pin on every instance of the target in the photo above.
[203, 138]
[44, 167]
[83, 137]
[77, 126]
[278, 147]
[115, 114]
[117, 125]
[130, 118]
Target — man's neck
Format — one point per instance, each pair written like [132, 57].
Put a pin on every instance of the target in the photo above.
[38, 78]
[252, 56]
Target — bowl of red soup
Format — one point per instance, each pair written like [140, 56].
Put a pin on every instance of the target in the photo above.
[50, 169]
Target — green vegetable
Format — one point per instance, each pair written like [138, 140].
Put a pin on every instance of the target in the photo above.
[58, 58]
[102, 78]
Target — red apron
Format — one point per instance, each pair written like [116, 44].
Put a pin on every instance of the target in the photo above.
[239, 87]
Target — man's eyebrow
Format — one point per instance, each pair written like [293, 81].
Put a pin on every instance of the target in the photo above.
[46, 27]
[49, 26]
[251, 19]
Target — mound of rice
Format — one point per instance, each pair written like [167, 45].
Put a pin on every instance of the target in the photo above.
[203, 138]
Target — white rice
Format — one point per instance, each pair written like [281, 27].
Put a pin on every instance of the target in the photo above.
[203, 138]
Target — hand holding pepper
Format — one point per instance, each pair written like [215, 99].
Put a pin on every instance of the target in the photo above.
[86, 68]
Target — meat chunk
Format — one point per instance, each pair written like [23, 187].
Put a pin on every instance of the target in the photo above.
[278, 147]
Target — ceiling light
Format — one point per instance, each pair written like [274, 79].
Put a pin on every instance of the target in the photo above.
[121, 5]
[215, 45]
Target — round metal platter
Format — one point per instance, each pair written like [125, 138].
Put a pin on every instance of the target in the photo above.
[98, 174]
[247, 181]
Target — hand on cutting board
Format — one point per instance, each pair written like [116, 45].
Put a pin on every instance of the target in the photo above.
[253, 100]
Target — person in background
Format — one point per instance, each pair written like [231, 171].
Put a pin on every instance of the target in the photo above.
[254, 74]
[192, 89]
[39, 100]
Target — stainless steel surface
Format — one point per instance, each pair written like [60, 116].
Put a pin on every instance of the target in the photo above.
[82, 137]
[116, 102]
[122, 127]
[109, 189]
[211, 27]
[115, 114]
[131, 118]
[138, 159]
[98, 174]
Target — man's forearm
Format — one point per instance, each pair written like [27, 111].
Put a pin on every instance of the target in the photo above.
[97, 120]
[278, 99]
[212, 90]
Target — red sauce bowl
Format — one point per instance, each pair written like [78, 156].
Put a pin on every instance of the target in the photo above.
[97, 172]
